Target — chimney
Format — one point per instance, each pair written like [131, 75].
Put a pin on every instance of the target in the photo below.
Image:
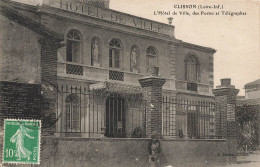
[170, 20]
[225, 83]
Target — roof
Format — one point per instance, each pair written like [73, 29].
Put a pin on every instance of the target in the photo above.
[8, 11]
[256, 82]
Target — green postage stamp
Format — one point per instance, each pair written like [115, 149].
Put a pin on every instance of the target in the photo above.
[22, 141]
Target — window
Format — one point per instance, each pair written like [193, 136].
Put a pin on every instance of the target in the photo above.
[73, 46]
[72, 113]
[115, 48]
[151, 58]
[191, 69]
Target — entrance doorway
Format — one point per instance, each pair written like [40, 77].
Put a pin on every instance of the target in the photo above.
[193, 126]
[115, 117]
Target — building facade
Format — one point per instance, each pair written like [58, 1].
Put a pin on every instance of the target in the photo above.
[89, 60]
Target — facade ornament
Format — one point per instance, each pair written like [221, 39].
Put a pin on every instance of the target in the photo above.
[133, 61]
[95, 54]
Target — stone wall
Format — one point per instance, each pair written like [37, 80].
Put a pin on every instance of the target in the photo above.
[78, 152]
[19, 61]
[18, 100]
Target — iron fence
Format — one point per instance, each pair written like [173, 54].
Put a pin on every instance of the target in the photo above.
[183, 118]
[98, 114]
[85, 113]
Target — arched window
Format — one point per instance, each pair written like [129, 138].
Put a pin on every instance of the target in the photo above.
[72, 113]
[115, 48]
[151, 58]
[191, 69]
[73, 46]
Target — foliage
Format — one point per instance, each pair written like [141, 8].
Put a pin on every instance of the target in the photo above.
[248, 118]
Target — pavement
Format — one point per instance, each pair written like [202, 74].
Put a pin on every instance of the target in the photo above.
[252, 160]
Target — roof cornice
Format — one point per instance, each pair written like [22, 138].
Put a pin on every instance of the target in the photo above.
[60, 13]
[194, 46]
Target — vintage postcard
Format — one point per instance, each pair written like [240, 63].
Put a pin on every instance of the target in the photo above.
[128, 83]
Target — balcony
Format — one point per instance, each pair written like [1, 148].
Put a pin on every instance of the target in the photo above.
[96, 74]
[194, 88]
[116, 75]
[74, 69]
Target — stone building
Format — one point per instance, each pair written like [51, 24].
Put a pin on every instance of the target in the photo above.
[89, 60]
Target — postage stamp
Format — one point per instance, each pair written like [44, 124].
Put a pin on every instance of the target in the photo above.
[21, 141]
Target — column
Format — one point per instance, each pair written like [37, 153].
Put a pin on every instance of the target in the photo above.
[225, 96]
[49, 84]
[152, 96]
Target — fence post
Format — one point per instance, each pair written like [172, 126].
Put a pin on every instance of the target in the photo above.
[49, 84]
[225, 95]
[152, 94]
[226, 125]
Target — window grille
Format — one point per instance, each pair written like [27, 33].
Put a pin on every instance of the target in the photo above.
[192, 86]
[116, 75]
[74, 69]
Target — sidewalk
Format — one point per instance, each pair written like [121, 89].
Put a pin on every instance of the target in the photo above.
[253, 160]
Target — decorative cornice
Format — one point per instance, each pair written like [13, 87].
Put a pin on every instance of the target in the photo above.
[95, 22]
[225, 91]
[152, 81]
[51, 43]
[197, 47]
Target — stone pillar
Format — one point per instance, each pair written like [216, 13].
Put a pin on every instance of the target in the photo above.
[152, 94]
[49, 84]
[225, 96]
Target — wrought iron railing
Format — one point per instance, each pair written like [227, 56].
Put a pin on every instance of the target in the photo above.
[116, 75]
[103, 114]
[74, 69]
[192, 86]
[190, 119]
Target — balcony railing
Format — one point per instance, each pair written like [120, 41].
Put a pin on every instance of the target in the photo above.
[98, 74]
[116, 75]
[74, 69]
[192, 86]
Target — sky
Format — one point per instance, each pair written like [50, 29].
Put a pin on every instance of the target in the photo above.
[236, 38]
